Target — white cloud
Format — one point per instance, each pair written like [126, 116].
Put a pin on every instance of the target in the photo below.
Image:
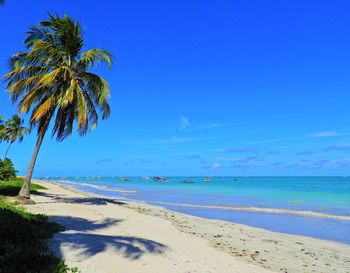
[329, 134]
[210, 125]
[214, 166]
[184, 123]
[227, 158]
[175, 140]
[239, 151]
[338, 147]
[266, 141]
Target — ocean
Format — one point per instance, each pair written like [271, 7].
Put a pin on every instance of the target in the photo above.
[310, 206]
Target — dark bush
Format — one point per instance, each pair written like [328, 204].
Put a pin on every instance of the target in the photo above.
[7, 170]
[23, 246]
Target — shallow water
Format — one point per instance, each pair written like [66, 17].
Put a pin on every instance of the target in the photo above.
[311, 206]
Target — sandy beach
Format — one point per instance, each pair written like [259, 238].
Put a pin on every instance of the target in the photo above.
[107, 235]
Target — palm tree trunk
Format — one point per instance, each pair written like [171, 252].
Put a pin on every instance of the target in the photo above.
[25, 190]
[8, 148]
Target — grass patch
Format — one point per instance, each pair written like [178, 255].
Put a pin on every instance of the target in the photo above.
[13, 186]
[23, 236]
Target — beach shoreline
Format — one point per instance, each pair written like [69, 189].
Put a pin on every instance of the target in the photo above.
[250, 202]
[271, 210]
[240, 248]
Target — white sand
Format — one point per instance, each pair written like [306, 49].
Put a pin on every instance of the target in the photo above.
[103, 236]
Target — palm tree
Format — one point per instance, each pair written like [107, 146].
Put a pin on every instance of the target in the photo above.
[13, 130]
[1, 128]
[52, 80]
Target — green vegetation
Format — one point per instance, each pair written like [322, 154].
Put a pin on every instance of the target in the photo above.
[52, 80]
[23, 236]
[23, 247]
[7, 170]
[13, 130]
[13, 186]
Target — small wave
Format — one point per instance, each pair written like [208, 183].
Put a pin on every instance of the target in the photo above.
[257, 209]
[99, 187]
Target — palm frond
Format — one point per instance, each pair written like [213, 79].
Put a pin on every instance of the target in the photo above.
[94, 57]
[51, 79]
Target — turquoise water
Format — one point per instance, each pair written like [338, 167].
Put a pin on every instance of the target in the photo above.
[311, 206]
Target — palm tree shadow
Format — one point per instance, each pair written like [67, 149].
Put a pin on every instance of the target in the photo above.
[93, 201]
[83, 225]
[80, 238]
[82, 200]
[88, 245]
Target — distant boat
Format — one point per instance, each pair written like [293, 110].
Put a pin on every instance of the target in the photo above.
[208, 179]
[124, 179]
[187, 182]
[145, 178]
[159, 179]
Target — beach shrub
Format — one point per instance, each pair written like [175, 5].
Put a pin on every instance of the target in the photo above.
[7, 170]
[23, 238]
[63, 268]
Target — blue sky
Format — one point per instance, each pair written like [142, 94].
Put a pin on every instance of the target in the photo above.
[203, 88]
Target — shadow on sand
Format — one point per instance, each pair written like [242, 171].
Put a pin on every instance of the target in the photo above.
[79, 236]
[91, 244]
[82, 200]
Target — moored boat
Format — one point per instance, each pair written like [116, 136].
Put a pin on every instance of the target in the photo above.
[208, 179]
[186, 181]
[159, 179]
[145, 178]
[124, 179]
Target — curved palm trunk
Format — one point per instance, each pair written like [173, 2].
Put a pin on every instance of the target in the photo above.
[8, 148]
[25, 190]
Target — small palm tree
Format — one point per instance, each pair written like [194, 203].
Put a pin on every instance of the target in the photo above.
[52, 80]
[13, 130]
